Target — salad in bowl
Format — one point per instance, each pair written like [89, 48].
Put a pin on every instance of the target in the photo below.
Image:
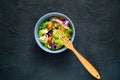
[46, 31]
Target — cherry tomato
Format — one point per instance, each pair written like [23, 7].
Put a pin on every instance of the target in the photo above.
[61, 18]
[49, 25]
[49, 39]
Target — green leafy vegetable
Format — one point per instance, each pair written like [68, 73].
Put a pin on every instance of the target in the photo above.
[43, 24]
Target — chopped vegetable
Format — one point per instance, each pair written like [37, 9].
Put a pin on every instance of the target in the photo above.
[49, 39]
[44, 38]
[43, 24]
[61, 18]
[53, 45]
[49, 25]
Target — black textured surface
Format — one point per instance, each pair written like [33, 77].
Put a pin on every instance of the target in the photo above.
[97, 24]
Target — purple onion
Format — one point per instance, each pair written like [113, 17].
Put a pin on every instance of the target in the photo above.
[66, 22]
[63, 23]
[50, 33]
[53, 45]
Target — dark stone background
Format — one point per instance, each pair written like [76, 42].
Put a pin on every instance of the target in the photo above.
[97, 24]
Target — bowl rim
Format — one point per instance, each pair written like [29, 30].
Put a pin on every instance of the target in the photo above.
[36, 30]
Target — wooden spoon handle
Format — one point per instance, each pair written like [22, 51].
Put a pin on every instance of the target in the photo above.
[87, 64]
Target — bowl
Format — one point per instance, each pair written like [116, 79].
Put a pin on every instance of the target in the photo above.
[44, 17]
